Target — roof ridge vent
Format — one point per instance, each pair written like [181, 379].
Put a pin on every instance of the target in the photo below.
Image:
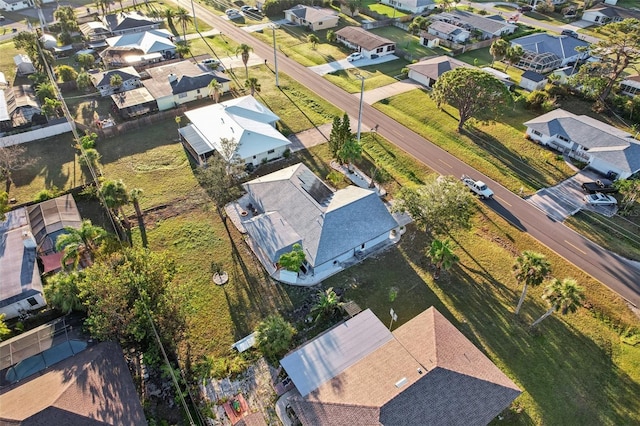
[400, 383]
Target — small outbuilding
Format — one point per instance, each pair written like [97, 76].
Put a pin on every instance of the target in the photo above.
[24, 64]
[532, 80]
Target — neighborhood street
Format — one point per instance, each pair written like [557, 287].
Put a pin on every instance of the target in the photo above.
[613, 271]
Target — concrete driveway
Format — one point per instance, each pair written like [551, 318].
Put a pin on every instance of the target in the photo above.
[345, 65]
[567, 198]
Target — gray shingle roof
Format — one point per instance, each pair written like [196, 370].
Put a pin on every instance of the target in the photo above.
[446, 28]
[127, 21]
[615, 11]
[352, 216]
[104, 78]
[363, 38]
[312, 14]
[482, 23]
[562, 46]
[533, 76]
[427, 374]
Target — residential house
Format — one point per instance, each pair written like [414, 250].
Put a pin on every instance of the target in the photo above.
[565, 73]
[95, 31]
[92, 387]
[606, 149]
[545, 53]
[24, 64]
[428, 71]
[178, 83]
[367, 43]
[630, 86]
[531, 81]
[294, 206]
[425, 372]
[129, 22]
[486, 27]
[413, 6]
[605, 14]
[134, 103]
[502, 76]
[19, 107]
[244, 120]
[449, 32]
[148, 45]
[314, 18]
[102, 80]
[12, 5]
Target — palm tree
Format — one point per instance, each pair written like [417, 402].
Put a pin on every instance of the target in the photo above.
[253, 85]
[134, 196]
[62, 292]
[498, 49]
[513, 55]
[530, 269]
[442, 255]
[115, 196]
[183, 18]
[80, 244]
[215, 90]
[115, 81]
[314, 40]
[244, 50]
[169, 15]
[566, 295]
[327, 305]
[183, 48]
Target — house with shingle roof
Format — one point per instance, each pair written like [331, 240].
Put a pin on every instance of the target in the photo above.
[314, 18]
[413, 6]
[181, 82]
[428, 71]
[365, 42]
[129, 22]
[487, 26]
[425, 372]
[294, 206]
[93, 387]
[102, 80]
[531, 81]
[449, 32]
[603, 14]
[153, 41]
[606, 149]
[545, 53]
[244, 120]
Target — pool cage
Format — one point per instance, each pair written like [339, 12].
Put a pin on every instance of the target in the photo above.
[539, 62]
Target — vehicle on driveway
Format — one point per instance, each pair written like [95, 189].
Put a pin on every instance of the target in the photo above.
[478, 187]
[604, 186]
[354, 56]
[599, 199]
[232, 13]
[569, 33]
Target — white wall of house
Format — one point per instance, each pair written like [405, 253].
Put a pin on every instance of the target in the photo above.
[269, 155]
[532, 85]
[351, 253]
[461, 37]
[27, 304]
[401, 5]
[108, 90]
[137, 29]
[604, 167]
[15, 6]
[420, 78]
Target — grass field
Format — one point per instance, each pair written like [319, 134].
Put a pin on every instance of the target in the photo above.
[407, 42]
[375, 76]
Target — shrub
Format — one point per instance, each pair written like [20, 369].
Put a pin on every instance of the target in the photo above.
[274, 336]
[47, 194]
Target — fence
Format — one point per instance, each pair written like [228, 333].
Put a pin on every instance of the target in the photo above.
[146, 121]
[54, 128]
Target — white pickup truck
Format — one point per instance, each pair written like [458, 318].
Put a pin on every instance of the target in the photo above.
[477, 187]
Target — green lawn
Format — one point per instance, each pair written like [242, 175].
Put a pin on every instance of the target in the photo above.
[498, 149]
[8, 67]
[375, 76]
[407, 42]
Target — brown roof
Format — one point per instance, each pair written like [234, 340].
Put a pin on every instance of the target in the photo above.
[253, 419]
[363, 38]
[428, 374]
[435, 67]
[93, 387]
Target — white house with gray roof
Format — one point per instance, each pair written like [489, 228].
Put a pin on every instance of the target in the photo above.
[365, 42]
[294, 206]
[545, 53]
[607, 149]
[244, 120]
[487, 26]
[314, 18]
[413, 6]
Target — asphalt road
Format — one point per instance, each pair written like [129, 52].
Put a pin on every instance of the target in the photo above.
[615, 272]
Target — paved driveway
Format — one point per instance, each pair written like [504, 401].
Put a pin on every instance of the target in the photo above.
[345, 65]
[566, 198]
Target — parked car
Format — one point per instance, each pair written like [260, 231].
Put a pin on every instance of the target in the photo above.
[569, 33]
[600, 199]
[604, 186]
[232, 12]
[477, 187]
[210, 62]
[2, 18]
[525, 9]
[354, 56]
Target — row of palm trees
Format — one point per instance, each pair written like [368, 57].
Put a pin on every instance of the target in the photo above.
[530, 269]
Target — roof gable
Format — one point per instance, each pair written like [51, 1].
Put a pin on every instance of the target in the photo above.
[363, 38]
[435, 67]
[104, 78]
[562, 46]
[312, 14]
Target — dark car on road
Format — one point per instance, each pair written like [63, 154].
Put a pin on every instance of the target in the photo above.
[525, 9]
[603, 186]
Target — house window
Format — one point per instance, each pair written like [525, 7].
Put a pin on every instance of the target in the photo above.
[391, 48]
[380, 50]
[198, 91]
[362, 246]
[32, 301]
[537, 133]
[182, 95]
[320, 23]
[271, 151]
[562, 138]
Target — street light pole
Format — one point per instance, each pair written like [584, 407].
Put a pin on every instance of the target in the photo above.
[275, 54]
[195, 22]
[361, 77]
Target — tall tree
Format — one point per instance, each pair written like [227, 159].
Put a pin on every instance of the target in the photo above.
[83, 81]
[244, 50]
[183, 48]
[498, 50]
[530, 269]
[66, 73]
[253, 85]
[50, 107]
[169, 15]
[350, 151]
[134, 196]
[274, 336]
[116, 196]
[215, 90]
[80, 244]
[314, 40]
[473, 92]
[86, 61]
[220, 180]
[45, 90]
[630, 190]
[617, 50]
[340, 133]
[184, 19]
[513, 56]
[442, 255]
[565, 295]
[439, 207]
